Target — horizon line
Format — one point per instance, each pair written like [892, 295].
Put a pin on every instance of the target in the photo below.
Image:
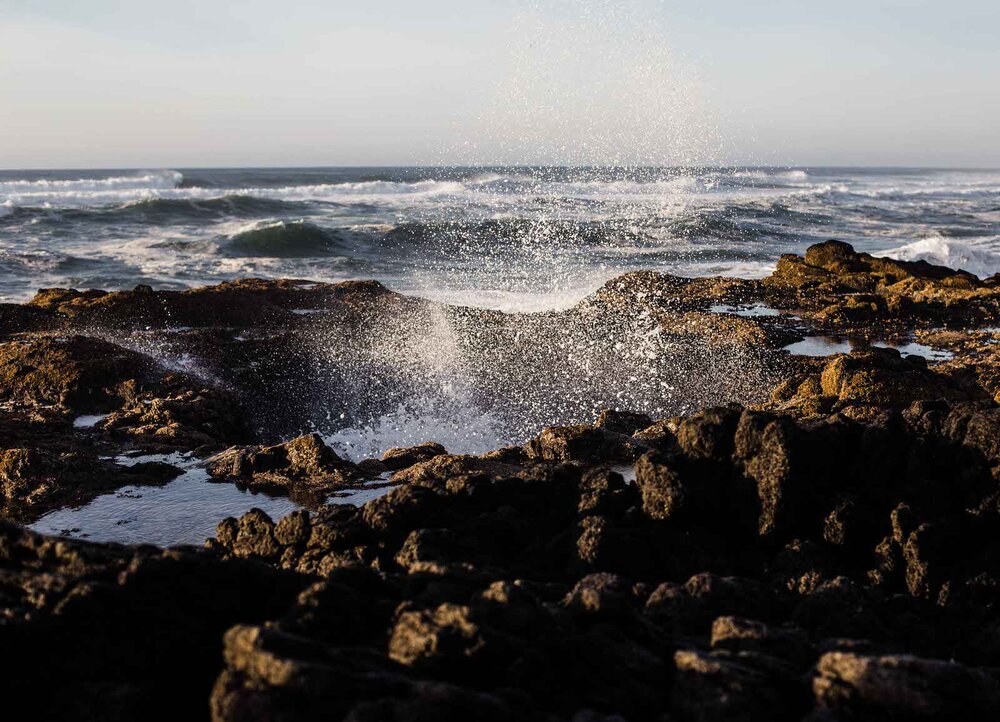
[444, 166]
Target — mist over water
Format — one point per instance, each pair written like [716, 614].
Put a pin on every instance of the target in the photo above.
[594, 83]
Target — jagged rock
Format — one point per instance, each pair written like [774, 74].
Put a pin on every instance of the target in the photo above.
[121, 633]
[80, 373]
[664, 494]
[429, 551]
[622, 422]
[605, 545]
[860, 687]
[446, 635]
[694, 605]
[602, 594]
[866, 383]
[723, 686]
[396, 459]
[584, 444]
[274, 675]
[33, 481]
[604, 492]
[255, 536]
[708, 434]
[304, 465]
[240, 303]
[738, 634]
[294, 529]
[401, 510]
[845, 289]
[182, 417]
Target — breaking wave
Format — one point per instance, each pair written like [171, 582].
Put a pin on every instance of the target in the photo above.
[285, 240]
[509, 238]
[978, 260]
[162, 179]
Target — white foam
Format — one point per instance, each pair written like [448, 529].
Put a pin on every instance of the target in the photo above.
[968, 256]
[770, 173]
[88, 421]
[126, 191]
[46, 193]
[150, 179]
[467, 431]
[556, 298]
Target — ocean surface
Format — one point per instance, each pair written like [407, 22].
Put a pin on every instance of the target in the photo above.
[512, 239]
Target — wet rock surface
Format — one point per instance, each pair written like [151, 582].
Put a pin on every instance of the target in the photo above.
[829, 549]
[843, 289]
[304, 467]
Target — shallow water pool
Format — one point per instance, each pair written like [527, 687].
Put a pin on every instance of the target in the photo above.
[818, 346]
[183, 511]
[751, 310]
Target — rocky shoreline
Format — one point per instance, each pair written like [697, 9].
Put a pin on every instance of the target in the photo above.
[784, 537]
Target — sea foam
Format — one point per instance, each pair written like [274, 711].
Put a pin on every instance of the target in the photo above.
[978, 259]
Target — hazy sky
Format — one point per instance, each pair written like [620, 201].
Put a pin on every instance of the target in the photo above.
[108, 83]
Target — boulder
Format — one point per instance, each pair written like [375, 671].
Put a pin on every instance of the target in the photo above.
[622, 422]
[711, 686]
[80, 373]
[898, 687]
[582, 444]
[305, 465]
[404, 458]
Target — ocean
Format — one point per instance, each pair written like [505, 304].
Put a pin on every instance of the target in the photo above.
[515, 239]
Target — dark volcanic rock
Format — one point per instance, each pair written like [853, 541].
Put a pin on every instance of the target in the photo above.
[302, 467]
[245, 302]
[864, 384]
[404, 458]
[622, 422]
[82, 374]
[118, 633]
[725, 686]
[180, 416]
[816, 556]
[584, 444]
[34, 481]
[860, 687]
[843, 289]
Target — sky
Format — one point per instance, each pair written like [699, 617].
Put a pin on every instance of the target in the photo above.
[106, 84]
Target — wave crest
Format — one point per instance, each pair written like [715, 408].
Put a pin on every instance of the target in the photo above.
[151, 179]
[953, 254]
[295, 239]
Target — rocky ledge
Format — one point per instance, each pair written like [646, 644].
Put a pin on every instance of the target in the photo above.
[824, 544]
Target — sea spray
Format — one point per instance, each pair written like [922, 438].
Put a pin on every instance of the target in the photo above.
[626, 114]
[594, 83]
[598, 126]
[476, 380]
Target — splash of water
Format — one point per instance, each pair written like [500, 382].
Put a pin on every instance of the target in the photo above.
[595, 83]
[476, 380]
[600, 127]
[428, 394]
[595, 89]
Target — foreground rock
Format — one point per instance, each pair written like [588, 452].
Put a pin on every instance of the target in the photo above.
[868, 383]
[828, 549]
[762, 567]
[117, 633]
